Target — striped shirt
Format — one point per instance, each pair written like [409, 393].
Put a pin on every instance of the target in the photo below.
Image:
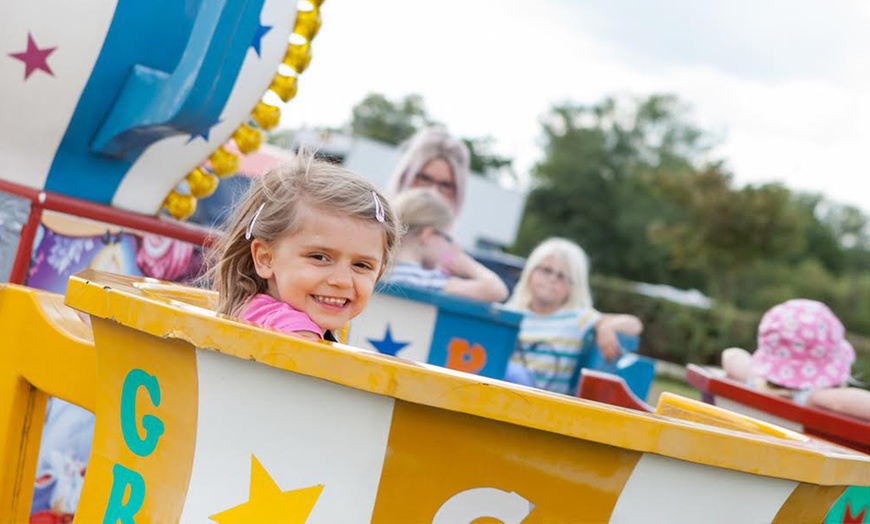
[415, 275]
[550, 346]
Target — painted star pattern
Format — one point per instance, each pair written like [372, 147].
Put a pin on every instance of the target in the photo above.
[204, 135]
[258, 36]
[387, 345]
[34, 57]
[268, 503]
[853, 518]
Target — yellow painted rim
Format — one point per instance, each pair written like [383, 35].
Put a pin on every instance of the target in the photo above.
[117, 297]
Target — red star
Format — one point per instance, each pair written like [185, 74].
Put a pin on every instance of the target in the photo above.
[849, 518]
[34, 58]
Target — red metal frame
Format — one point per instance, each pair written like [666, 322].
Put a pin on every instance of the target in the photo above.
[25, 244]
[847, 431]
[44, 200]
[609, 389]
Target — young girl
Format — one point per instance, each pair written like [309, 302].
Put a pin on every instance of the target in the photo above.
[304, 249]
[427, 248]
[553, 292]
[802, 354]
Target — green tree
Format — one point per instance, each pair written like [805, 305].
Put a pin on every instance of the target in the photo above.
[487, 163]
[379, 118]
[593, 184]
[822, 242]
[725, 231]
[851, 227]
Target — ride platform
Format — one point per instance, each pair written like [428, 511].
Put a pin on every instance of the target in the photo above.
[202, 418]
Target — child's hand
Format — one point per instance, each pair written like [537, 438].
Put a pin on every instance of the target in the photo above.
[608, 326]
[607, 341]
[471, 279]
[454, 261]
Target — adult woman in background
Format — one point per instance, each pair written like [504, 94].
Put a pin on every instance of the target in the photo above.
[433, 158]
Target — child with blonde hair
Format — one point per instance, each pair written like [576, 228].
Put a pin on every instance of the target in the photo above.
[427, 248]
[802, 354]
[304, 249]
[553, 293]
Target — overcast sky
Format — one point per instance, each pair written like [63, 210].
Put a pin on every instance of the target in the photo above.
[785, 84]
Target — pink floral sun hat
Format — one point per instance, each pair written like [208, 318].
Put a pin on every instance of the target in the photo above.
[801, 345]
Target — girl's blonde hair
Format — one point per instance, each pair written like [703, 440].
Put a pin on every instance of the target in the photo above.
[421, 207]
[282, 191]
[579, 295]
[426, 145]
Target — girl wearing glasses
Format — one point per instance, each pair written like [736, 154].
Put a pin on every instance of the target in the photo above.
[426, 246]
[433, 158]
[553, 293]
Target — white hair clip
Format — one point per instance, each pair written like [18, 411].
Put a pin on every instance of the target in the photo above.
[379, 208]
[249, 232]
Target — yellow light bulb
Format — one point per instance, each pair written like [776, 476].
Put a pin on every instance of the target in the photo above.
[201, 184]
[298, 56]
[223, 163]
[307, 23]
[284, 87]
[179, 206]
[247, 139]
[266, 116]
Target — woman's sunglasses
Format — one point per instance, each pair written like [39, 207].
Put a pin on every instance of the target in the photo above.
[445, 186]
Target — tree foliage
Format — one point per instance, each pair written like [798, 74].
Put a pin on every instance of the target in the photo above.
[379, 118]
[723, 230]
[392, 122]
[633, 182]
[592, 184]
[488, 163]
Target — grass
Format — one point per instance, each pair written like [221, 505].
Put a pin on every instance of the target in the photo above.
[674, 385]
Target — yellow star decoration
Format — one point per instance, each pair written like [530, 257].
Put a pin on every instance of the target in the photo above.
[267, 503]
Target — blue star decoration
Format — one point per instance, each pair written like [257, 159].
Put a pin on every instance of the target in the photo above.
[204, 135]
[387, 345]
[258, 36]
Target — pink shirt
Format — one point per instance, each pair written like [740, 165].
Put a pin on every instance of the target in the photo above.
[271, 313]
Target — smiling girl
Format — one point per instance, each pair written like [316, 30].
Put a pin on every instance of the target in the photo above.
[304, 249]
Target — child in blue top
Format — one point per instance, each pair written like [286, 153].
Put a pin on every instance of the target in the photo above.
[553, 293]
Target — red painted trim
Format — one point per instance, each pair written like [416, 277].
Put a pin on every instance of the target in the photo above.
[101, 213]
[841, 429]
[18, 275]
[609, 389]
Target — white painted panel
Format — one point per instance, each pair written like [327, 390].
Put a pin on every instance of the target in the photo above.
[36, 112]
[304, 431]
[410, 321]
[663, 489]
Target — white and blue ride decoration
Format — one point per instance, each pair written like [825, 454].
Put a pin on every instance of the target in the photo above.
[440, 329]
[116, 106]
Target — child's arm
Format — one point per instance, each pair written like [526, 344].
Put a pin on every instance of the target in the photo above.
[471, 279]
[608, 326]
[854, 402]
